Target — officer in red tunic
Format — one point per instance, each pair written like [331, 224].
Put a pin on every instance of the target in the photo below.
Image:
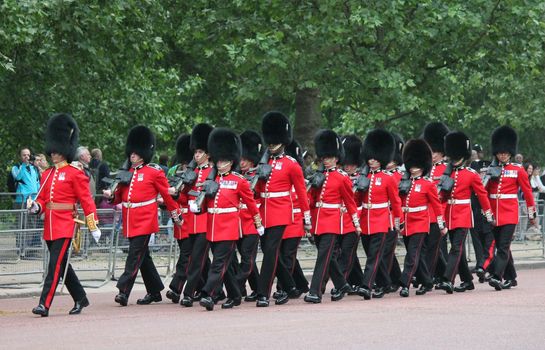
[328, 196]
[458, 214]
[223, 216]
[139, 211]
[381, 206]
[502, 191]
[416, 201]
[62, 187]
[276, 205]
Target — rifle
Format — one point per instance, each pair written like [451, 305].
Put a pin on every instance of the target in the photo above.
[185, 178]
[362, 182]
[263, 170]
[493, 172]
[209, 188]
[405, 183]
[316, 178]
[446, 183]
[123, 177]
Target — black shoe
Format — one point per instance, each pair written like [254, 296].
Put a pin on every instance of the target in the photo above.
[446, 286]
[353, 290]
[150, 298]
[262, 302]
[378, 293]
[219, 297]
[464, 286]
[496, 283]
[294, 293]
[252, 297]
[414, 281]
[480, 273]
[424, 289]
[187, 301]
[122, 299]
[312, 298]
[175, 297]
[507, 284]
[230, 303]
[404, 292]
[78, 306]
[487, 277]
[277, 294]
[207, 302]
[40, 310]
[340, 293]
[392, 288]
[365, 293]
[282, 299]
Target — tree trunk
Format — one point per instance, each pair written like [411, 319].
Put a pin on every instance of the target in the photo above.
[307, 117]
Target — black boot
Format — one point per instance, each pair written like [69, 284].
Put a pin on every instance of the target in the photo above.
[312, 298]
[404, 292]
[340, 293]
[230, 303]
[365, 293]
[207, 302]
[507, 284]
[464, 286]
[282, 298]
[78, 306]
[294, 293]
[252, 297]
[424, 289]
[150, 298]
[41, 310]
[446, 286]
[262, 302]
[122, 299]
[378, 293]
[277, 294]
[187, 301]
[496, 283]
[175, 297]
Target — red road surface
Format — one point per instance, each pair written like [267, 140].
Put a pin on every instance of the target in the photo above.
[480, 319]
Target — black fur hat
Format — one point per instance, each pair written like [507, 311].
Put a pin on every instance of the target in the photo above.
[224, 144]
[399, 148]
[142, 142]
[352, 149]
[417, 154]
[62, 136]
[276, 129]
[328, 144]
[379, 144]
[295, 150]
[252, 146]
[434, 134]
[183, 152]
[457, 145]
[199, 137]
[504, 139]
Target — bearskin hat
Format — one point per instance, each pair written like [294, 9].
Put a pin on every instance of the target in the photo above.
[183, 152]
[398, 159]
[457, 145]
[296, 151]
[504, 139]
[276, 129]
[224, 144]
[199, 137]
[328, 144]
[62, 136]
[379, 144]
[352, 149]
[417, 154]
[252, 146]
[142, 142]
[434, 134]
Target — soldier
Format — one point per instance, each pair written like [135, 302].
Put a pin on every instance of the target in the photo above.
[458, 212]
[381, 195]
[328, 196]
[223, 216]
[62, 186]
[421, 195]
[139, 211]
[502, 191]
[276, 205]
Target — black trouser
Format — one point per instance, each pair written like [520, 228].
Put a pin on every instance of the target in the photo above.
[374, 265]
[247, 269]
[326, 261]
[58, 254]
[139, 258]
[389, 260]
[220, 271]
[348, 244]
[198, 263]
[180, 276]
[433, 255]
[355, 276]
[288, 256]
[503, 266]
[457, 262]
[414, 264]
[489, 246]
[271, 265]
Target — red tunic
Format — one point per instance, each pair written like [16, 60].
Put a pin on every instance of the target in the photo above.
[326, 203]
[416, 206]
[182, 232]
[377, 201]
[296, 229]
[66, 185]
[276, 201]
[139, 218]
[503, 194]
[197, 223]
[435, 174]
[458, 213]
[348, 224]
[247, 225]
[223, 210]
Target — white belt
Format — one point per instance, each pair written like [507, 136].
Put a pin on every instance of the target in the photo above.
[414, 209]
[503, 196]
[375, 205]
[222, 210]
[459, 201]
[274, 194]
[244, 206]
[184, 210]
[328, 205]
[296, 210]
[139, 204]
[360, 208]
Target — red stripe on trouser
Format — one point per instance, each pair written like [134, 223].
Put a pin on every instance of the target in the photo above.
[490, 255]
[377, 261]
[137, 266]
[222, 273]
[416, 257]
[56, 274]
[455, 269]
[326, 265]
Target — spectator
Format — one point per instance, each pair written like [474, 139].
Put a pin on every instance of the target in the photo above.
[519, 158]
[100, 168]
[41, 163]
[83, 158]
[536, 184]
[529, 167]
[163, 163]
[26, 177]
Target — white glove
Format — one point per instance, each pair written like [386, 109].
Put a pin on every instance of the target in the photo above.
[307, 222]
[261, 230]
[193, 207]
[96, 234]
[33, 207]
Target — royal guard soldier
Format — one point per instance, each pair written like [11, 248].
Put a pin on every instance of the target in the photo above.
[416, 198]
[458, 216]
[222, 207]
[502, 187]
[61, 188]
[139, 213]
[280, 174]
[381, 210]
[330, 192]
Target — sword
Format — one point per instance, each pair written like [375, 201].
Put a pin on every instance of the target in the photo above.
[79, 223]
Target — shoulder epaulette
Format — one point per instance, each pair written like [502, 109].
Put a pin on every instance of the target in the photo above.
[237, 174]
[291, 158]
[154, 166]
